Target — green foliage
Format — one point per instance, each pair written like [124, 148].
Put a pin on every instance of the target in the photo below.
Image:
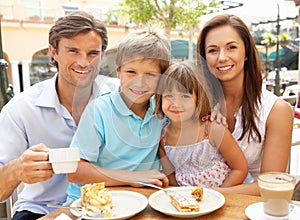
[168, 14]
[268, 39]
[284, 36]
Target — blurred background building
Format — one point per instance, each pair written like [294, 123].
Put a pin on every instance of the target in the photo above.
[25, 25]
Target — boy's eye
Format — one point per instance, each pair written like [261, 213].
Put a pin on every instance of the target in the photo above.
[153, 74]
[130, 71]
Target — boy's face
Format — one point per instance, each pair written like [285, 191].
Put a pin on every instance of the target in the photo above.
[78, 59]
[139, 79]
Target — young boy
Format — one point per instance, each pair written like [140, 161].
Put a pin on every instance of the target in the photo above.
[118, 135]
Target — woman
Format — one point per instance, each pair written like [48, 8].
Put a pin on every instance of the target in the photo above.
[260, 122]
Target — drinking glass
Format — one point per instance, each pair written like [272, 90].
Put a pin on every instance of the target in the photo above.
[276, 190]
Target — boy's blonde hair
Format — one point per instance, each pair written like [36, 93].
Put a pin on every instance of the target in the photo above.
[144, 44]
[186, 77]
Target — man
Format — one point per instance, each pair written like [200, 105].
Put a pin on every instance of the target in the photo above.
[46, 115]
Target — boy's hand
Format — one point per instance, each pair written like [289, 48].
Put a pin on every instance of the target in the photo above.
[150, 176]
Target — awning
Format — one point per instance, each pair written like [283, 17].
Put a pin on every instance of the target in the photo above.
[180, 49]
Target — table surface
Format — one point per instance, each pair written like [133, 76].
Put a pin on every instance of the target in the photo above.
[234, 207]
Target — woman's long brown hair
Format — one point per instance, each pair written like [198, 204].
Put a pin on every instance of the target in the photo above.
[252, 68]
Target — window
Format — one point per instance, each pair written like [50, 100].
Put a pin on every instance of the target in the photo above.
[32, 8]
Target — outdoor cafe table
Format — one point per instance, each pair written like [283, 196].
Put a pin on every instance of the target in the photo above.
[234, 207]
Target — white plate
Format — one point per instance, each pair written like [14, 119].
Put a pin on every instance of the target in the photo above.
[255, 211]
[212, 200]
[126, 204]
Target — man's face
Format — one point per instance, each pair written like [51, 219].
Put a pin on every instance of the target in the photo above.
[78, 59]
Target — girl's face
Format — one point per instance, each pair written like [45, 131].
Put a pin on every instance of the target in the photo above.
[225, 53]
[178, 106]
[138, 80]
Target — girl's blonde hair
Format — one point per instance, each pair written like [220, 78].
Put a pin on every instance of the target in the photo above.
[186, 77]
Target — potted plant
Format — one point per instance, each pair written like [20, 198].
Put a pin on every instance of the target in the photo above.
[268, 40]
[284, 39]
[34, 18]
[48, 19]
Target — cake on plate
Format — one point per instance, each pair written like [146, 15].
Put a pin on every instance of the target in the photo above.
[96, 198]
[184, 203]
[198, 193]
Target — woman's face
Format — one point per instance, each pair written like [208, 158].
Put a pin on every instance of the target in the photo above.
[225, 53]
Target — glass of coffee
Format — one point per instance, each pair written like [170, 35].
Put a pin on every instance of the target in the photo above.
[276, 190]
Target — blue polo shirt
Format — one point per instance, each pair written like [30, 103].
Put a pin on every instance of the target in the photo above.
[111, 136]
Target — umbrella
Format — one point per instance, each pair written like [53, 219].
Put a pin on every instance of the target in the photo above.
[258, 11]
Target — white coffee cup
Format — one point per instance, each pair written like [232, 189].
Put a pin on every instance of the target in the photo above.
[64, 160]
[276, 190]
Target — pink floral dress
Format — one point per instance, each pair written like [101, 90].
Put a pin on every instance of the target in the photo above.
[199, 164]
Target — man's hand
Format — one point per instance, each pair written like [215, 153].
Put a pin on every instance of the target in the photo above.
[33, 165]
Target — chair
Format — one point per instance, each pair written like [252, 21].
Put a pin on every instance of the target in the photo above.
[296, 194]
[11, 201]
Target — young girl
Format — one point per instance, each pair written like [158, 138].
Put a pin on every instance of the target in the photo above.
[193, 150]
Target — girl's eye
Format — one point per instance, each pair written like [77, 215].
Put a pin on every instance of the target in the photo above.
[186, 96]
[168, 96]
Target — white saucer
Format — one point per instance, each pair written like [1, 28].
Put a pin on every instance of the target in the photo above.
[255, 212]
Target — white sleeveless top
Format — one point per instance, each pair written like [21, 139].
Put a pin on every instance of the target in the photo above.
[253, 150]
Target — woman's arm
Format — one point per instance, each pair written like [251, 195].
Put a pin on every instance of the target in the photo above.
[247, 188]
[279, 127]
[232, 153]
[168, 167]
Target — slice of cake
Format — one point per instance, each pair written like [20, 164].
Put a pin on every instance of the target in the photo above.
[184, 203]
[96, 198]
[198, 193]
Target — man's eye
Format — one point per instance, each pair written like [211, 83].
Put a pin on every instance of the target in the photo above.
[73, 51]
[96, 53]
